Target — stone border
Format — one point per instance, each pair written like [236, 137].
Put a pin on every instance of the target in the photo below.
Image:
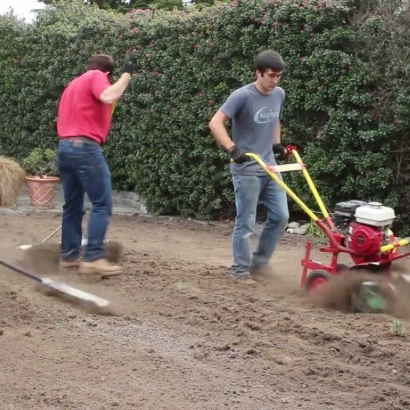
[124, 202]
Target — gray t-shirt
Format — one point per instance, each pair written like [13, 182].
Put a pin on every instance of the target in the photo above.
[254, 116]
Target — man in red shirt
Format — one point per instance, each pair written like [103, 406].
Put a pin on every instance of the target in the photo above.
[83, 124]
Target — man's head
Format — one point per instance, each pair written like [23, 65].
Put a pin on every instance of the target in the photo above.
[268, 66]
[101, 62]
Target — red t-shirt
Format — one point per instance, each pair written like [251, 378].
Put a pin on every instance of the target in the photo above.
[80, 112]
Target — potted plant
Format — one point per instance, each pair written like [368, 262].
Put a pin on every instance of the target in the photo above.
[42, 176]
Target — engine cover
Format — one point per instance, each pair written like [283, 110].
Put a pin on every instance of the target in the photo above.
[375, 214]
[365, 239]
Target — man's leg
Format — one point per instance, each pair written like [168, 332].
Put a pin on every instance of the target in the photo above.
[247, 190]
[73, 209]
[274, 199]
[96, 179]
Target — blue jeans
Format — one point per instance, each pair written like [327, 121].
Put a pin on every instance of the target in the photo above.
[249, 190]
[83, 169]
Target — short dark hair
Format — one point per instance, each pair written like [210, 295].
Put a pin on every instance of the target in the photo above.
[101, 62]
[269, 59]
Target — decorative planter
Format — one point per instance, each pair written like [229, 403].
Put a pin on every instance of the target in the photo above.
[42, 190]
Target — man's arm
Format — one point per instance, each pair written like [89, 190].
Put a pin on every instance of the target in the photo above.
[115, 91]
[107, 93]
[229, 109]
[278, 149]
[277, 132]
[217, 127]
[278, 127]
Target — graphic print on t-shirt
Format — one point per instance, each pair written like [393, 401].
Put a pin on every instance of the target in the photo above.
[265, 115]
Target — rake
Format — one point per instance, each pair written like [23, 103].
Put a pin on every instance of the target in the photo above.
[60, 287]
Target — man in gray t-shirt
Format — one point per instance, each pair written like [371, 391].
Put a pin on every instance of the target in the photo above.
[255, 114]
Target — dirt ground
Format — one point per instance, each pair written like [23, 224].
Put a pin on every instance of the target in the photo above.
[187, 336]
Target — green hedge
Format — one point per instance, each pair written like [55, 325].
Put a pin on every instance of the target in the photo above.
[187, 63]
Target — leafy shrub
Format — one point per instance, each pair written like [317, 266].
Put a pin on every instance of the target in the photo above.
[383, 30]
[187, 63]
[41, 163]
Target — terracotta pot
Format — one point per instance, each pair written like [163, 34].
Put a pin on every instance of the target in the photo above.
[42, 190]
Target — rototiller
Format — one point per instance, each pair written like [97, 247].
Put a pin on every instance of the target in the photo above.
[360, 229]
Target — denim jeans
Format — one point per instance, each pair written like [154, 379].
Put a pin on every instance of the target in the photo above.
[83, 170]
[249, 191]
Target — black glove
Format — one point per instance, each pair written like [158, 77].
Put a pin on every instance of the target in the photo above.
[128, 66]
[279, 151]
[238, 155]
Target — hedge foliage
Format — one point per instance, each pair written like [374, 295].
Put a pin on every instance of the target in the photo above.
[187, 62]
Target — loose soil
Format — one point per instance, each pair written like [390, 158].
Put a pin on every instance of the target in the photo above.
[187, 337]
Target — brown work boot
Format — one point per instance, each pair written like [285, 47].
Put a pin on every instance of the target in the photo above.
[246, 280]
[100, 267]
[75, 264]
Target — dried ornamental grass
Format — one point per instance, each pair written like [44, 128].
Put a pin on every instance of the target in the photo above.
[11, 180]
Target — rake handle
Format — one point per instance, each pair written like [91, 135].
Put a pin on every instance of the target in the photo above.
[21, 271]
[51, 234]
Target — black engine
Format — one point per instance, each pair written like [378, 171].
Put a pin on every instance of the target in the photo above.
[344, 214]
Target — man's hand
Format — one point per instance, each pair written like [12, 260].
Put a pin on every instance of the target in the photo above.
[116, 90]
[280, 152]
[238, 155]
[128, 66]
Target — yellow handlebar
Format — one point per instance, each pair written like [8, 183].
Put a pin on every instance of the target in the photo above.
[391, 246]
[283, 185]
[311, 185]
